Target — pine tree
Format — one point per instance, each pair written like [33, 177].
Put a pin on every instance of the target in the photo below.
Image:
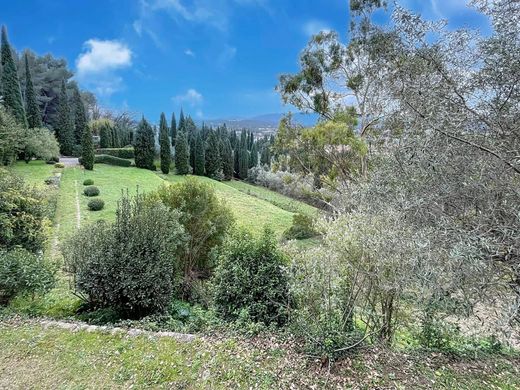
[227, 160]
[87, 149]
[34, 119]
[173, 129]
[80, 116]
[144, 147]
[12, 95]
[182, 154]
[182, 122]
[200, 156]
[253, 158]
[64, 126]
[213, 159]
[164, 142]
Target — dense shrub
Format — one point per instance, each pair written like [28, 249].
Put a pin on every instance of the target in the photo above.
[88, 182]
[59, 165]
[96, 204]
[127, 153]
[91, 191]
[23, 214]
[111, 160]
[250, 278]
[131, 265]
[206, 220]
[40, 143]
[22, 272]
[302, 227]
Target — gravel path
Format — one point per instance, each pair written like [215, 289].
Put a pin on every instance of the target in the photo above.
[69, 161]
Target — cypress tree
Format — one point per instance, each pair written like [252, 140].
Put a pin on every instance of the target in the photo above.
[64, 125]
[243, 163]
[164, 142]
[144, 147]
[227, 160]
[253, 158]
[105, 138]
[200, 156]
[80, 116]
[213, 159]
[87, 149]
[182, 154]
[265, 158]
[12, 95]
[173, 129]
[236, 160]
[182, 122]
[34, 119]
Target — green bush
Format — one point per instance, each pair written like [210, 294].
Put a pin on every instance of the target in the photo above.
[88, 182]
[131, 265]
[22, 272]
[302, 227]
[111, 160]
[118, 152]
[59, 165]
[23, 214]
[91, 191]
[96, 204]
[206, 220]
[250, 278]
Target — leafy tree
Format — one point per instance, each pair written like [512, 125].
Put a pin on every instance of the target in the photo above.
[80, 116]
[227, 160]
[182, 155]
[213, 159]
[166, 154]
[34, 119]
[173, 129]
[11, 137]
[12, 95]
[87, 149]
[41, 144]
[200, 156]
[64, 126]
[253, 161]
[144, 146]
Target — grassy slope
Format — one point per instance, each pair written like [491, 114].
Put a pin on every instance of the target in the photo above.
[35, 172]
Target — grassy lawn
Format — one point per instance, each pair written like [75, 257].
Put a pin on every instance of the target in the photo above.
[35, 172]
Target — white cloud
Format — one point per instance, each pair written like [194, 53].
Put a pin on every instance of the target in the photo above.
[313, 27]
[191, 97]
[102, 56]
[189, 52]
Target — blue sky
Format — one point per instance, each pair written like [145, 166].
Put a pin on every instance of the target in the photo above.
[215, 58]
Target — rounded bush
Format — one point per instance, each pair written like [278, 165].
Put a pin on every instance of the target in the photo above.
[88, 182]
[91, 191]
[59, 165]
[96, 204]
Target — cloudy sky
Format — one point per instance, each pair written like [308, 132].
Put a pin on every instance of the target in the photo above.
[215, 58]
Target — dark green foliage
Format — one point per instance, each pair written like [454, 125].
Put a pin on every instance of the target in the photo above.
[91, 191]
[205, 219]
[88, 182]
[182, 123]
[200, 156]
[302, 227]
[236, 161]
[250, 277]
[64, 126]
[130, 265]
[11, 137]
[173, 129]
[23, 214]
[87, 148]
[144, 146]
[22, 272]
[213, 160]
[253, 158]
[111, 160]
[34, 119]
[182, 154]
[11, 93]
[164, 141]
[96, 204]
[265, 157]
[243, 163]
[227, 160]
[80, 115]
[118, 152]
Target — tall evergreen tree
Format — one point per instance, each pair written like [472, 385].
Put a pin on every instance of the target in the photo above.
[213, 159]
[253, 158]
[173, 129]
[87, 149]
[12, 95]
[200, 156]
[144, 146]
[227, 160]
[182, 122]
[236, 160]
[64, 126]
[34, 119]
[80, 115]
[265, 157]
[164, 142]
[182, 154]
[243, 163]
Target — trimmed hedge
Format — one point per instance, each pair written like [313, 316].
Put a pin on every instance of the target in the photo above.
[117, 152]
[111, 160]
[59, 165]
[96, 204]
[91, 191]
[88, 182]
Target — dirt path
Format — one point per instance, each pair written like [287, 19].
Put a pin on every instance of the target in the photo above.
[69, 161]
[78, 209]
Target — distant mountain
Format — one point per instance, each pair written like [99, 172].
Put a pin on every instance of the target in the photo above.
[266, 123]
